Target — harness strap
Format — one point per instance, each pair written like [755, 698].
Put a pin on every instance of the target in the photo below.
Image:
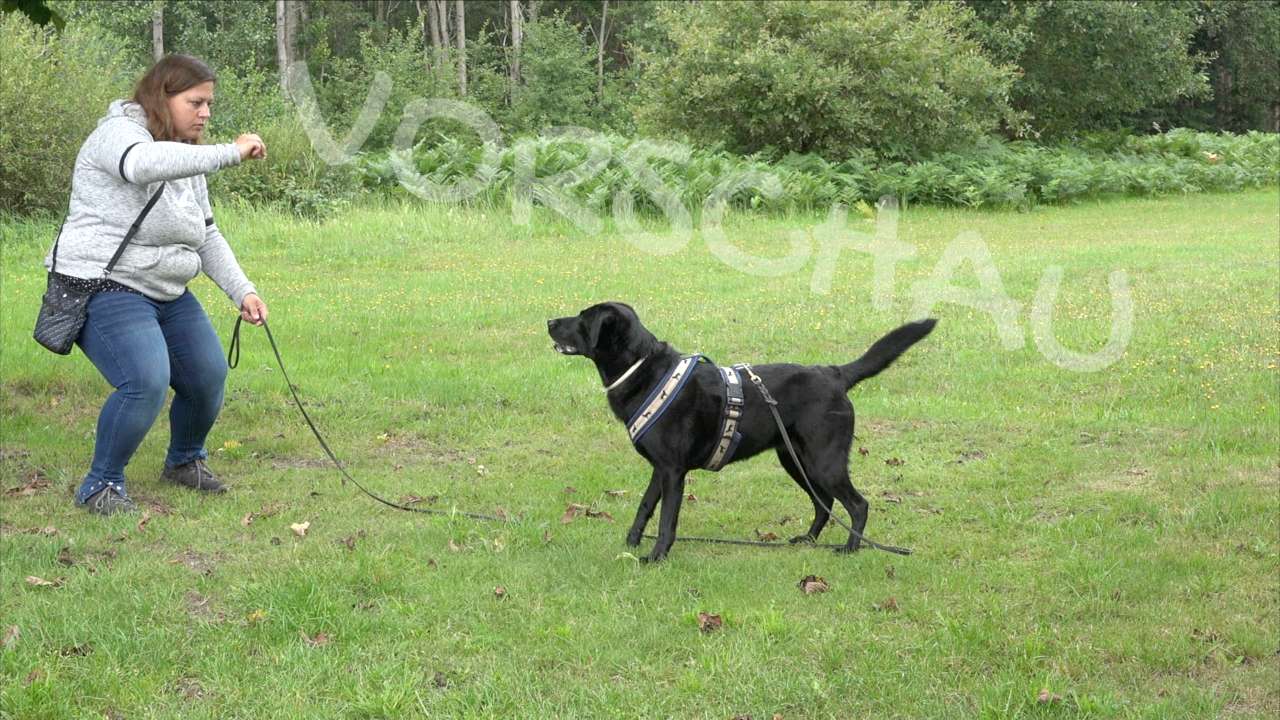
[729, 435]
[660, 398]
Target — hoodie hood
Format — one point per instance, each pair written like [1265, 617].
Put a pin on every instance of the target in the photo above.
[126, 109]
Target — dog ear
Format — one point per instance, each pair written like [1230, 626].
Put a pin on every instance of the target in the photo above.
[597, 324]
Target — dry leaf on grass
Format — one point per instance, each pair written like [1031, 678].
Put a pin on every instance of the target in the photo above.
[1048, 698]
[573, 510]
[767, 537]
[813, 584]
[33, 486]
[708, 622]
[300, 529]
[34, 581]
[142, 521]
[894, 462]
[318, 640]
[10, 637]
[500, 592]
[888, 605]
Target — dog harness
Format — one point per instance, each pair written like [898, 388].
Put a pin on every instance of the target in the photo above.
[666, 391]
[661, 397]
[729, 435]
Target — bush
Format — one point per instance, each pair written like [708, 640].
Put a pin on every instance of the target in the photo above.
[53, 88]
[824, 78]
[293, 177]
[991, 174]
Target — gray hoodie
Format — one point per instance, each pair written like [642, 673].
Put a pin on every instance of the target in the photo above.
[119, 168]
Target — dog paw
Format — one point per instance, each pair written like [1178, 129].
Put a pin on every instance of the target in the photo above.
[806, 539]
[846, 550]
[633, 540]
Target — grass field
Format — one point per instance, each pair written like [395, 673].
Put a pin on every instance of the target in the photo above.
[1087, 544]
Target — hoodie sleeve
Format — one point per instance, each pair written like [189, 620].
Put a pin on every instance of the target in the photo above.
[216, 257]
[125, 149]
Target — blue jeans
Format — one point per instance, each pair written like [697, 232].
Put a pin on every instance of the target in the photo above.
[143, 347]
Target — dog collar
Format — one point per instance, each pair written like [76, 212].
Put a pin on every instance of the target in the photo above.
[626, 374]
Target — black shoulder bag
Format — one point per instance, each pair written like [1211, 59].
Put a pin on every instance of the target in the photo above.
[63, 307]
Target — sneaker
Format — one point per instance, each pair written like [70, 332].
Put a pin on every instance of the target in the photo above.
[195, 475]
[109, 501]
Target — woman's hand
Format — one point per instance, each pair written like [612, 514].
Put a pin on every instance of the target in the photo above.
[251, 146]
[253, 310]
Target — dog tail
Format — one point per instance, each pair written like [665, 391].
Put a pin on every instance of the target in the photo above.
[884, 352]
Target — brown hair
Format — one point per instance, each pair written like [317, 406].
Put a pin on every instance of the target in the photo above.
[168, 77]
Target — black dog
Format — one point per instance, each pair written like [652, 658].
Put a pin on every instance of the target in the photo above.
[812, 401]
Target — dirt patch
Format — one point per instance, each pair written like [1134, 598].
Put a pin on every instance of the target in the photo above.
[201, 608]
[197, 562]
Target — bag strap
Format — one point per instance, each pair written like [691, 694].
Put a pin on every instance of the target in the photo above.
[133, 230]
[57, 238]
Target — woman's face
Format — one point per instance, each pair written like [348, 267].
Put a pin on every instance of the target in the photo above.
[190, 110]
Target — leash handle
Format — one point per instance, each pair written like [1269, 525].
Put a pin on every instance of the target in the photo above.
[235, 349]
[786, 439]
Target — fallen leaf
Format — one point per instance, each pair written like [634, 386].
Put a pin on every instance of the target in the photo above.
[894, 462]
[569, 489]
[142, 521]
[813, 584]
[415, 499]
[318, 640]
[455, 547]
[766, 537]
[77, 650]
[41, 582]
[33, 486]
[10, 637]
[502, 514]
[571, 512]
[256, 616]
[863, 451]
[1047, 698]
[708, 622]
[300, 529]
[64, 557]
[890, 497]
[691, 498]
[34, 676]
[889, 571]
[888, 605]
[500, 592]
[431, 563]
[247, 520]
[615, 493]
[48, 531]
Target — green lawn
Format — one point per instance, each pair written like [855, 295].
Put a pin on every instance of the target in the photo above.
[1109, 537]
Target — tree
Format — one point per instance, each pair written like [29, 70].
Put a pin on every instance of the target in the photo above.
[517, 38]
[1088, 65]
[157, 30]
[462, 48]
[826, 78]
[286, 42]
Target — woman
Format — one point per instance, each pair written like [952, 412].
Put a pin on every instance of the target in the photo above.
[144, 331]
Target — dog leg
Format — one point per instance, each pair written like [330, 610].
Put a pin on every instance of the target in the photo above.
[820, 514]
[645, 511]
[857, 507]
[672, 495]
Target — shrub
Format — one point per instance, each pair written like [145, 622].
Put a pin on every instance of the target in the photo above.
[824, 78]
[53, 88]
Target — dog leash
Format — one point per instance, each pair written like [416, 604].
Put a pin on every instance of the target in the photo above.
[773, 408]
[234, 352]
